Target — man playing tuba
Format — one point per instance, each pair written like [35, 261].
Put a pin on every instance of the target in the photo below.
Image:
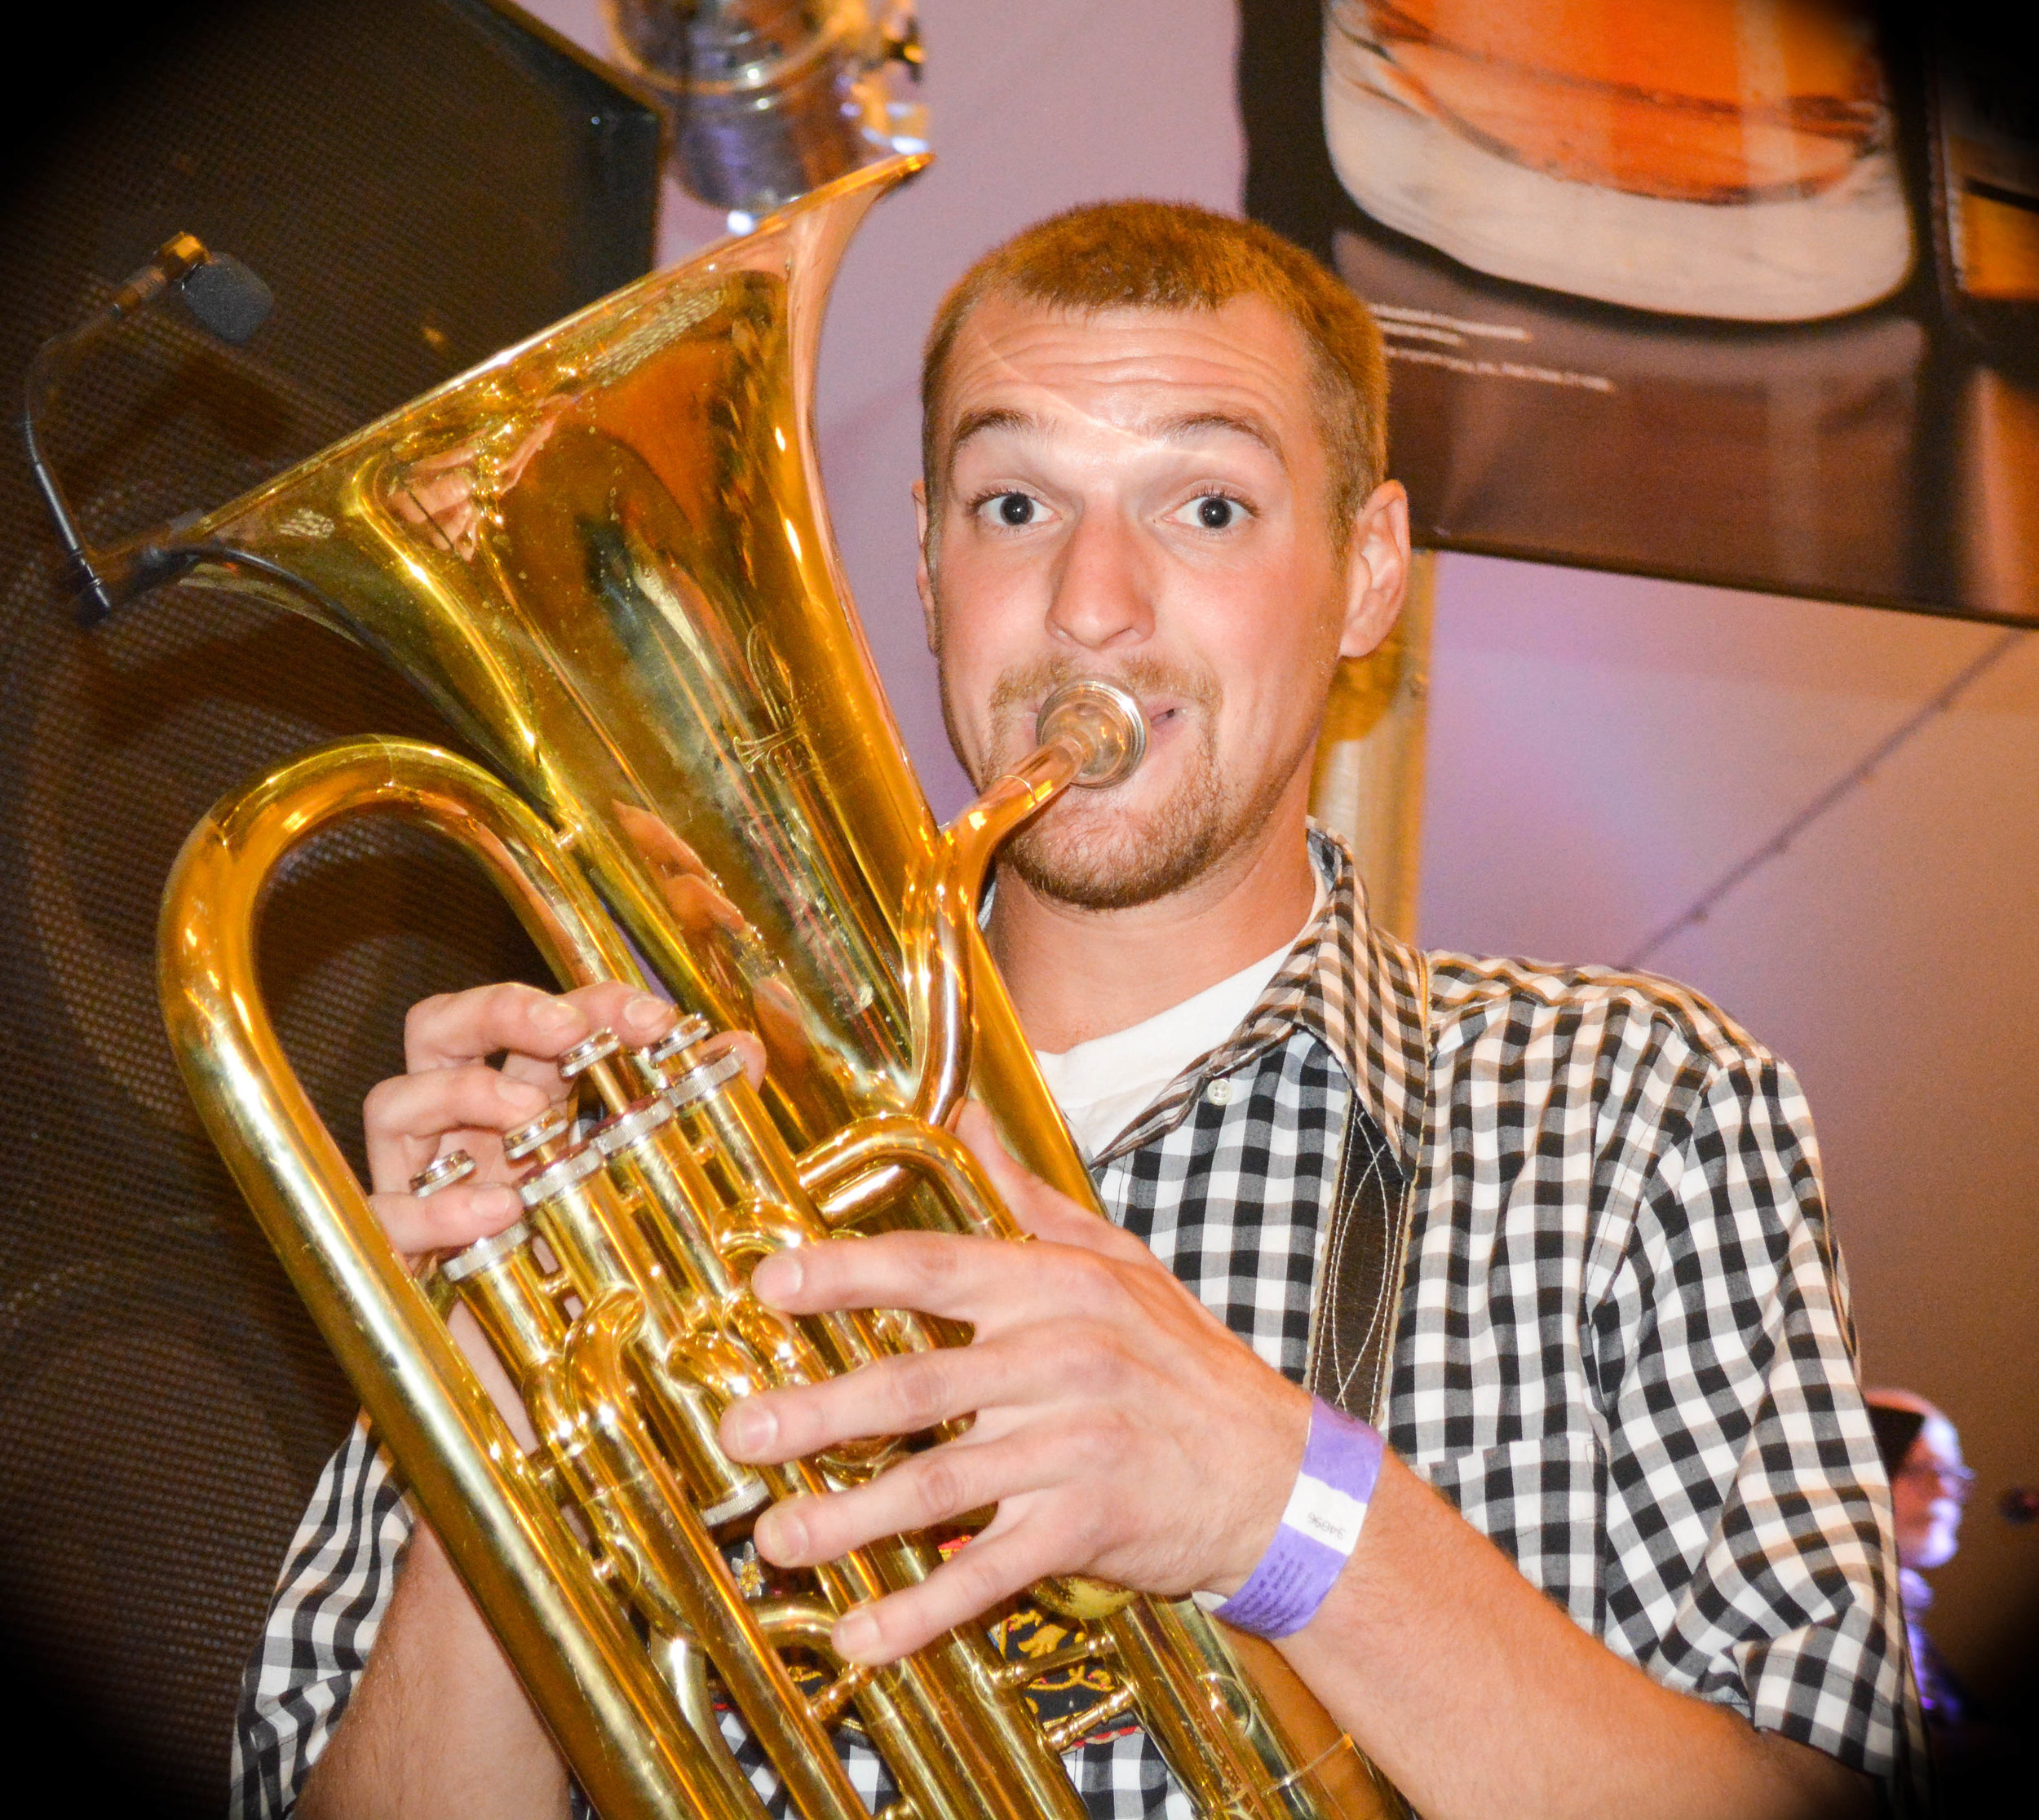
[1472, 1328]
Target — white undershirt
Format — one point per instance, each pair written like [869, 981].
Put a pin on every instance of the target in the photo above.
[1103, 1086]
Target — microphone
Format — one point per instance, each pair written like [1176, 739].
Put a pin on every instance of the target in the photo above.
[230, 302]
[228, 298]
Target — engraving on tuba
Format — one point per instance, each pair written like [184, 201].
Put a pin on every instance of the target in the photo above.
[603, 555]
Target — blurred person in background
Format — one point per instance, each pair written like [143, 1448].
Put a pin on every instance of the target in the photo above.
[1930, 1484]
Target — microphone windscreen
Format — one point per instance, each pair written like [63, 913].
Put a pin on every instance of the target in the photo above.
[228, 298]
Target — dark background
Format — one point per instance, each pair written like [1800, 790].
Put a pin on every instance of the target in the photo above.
[421, 182]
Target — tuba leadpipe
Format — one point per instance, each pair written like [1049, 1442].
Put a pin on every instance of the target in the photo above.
[603, 555]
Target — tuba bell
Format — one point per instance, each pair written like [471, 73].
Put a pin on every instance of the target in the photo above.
[603, 555]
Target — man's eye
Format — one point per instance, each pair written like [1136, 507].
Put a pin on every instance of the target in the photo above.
[1215, 512]
[1014, 508]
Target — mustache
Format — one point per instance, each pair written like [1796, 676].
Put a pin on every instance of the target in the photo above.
[1025, 684]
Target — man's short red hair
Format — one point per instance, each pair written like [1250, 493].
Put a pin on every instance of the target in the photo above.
[1173, 256]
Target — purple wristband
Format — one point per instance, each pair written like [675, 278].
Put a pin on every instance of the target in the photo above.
[1320, 1527]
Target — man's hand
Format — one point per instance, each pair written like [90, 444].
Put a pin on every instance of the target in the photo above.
[1120, 1428]
[452, 1098]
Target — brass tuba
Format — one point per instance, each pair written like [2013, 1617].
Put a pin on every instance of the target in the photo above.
[603, 555]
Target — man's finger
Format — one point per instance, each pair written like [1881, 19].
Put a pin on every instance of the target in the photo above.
[455, 1028]
[637, 1016]
[458, 1027]
[751, 1050]
[404, 1119]
[964, 1279]
[448, 1220]
[922, 1491]
[990, 1568]
[904, 1394]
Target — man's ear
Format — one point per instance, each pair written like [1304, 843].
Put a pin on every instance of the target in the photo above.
[1376, 570]
[923, 576]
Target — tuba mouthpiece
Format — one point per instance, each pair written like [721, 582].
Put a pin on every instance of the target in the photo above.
[1105, 723]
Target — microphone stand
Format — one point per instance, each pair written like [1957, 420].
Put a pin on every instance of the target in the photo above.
[229, 300]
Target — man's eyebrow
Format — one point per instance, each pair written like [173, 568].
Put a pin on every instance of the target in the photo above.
[974, 423]
[1249, 424]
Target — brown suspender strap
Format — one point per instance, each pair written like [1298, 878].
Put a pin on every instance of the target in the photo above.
[1365, 1257]
[1352, 1348]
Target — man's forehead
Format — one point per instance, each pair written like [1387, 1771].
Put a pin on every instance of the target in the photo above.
[1017, 365]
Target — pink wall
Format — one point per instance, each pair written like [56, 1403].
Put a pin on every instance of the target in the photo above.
[1602, 749]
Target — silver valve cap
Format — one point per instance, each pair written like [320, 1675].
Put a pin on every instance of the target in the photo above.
[577, 1060]
[484, 1251]
[690, 1029]
[522, 1141]
[442, 1172]
[691, 1088]
[1106, 721]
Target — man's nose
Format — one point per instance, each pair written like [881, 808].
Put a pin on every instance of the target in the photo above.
[1103, 594]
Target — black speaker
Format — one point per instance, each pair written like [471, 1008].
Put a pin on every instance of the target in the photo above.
[420, 182]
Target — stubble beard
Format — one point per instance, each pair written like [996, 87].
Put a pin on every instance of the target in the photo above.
[1087, 851]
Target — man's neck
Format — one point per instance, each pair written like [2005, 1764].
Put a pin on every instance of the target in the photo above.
[1076, 975]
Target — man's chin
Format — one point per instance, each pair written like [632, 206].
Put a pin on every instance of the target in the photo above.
[1111, 867]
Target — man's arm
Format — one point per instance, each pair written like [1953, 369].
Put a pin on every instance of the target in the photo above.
[1477, 1695]
[439, 1724]
[1122, 1431]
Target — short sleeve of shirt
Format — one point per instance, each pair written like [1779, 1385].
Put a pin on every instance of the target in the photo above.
[335, 1586]
[1746, 1530]
[1625, 1352]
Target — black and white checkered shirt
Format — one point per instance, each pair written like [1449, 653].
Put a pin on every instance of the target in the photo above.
[1623, 1348]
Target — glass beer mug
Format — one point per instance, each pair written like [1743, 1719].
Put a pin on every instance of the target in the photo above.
[1726, 158]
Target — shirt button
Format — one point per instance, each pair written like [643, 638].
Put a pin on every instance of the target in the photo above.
[1222, 1091]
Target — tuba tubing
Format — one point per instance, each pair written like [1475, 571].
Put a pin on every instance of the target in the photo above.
[614, 1715]
[956, 1738]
